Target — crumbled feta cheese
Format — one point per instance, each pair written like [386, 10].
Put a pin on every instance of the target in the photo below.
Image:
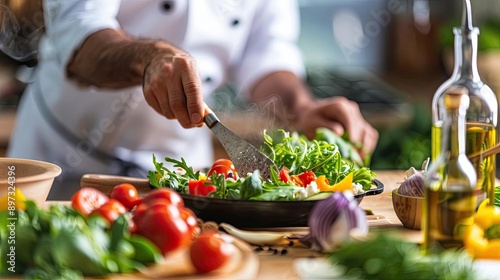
[357, 188]
[301, 193]
[312, 188]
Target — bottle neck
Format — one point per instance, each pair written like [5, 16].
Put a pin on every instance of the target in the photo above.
[457, 133]
[466, 55]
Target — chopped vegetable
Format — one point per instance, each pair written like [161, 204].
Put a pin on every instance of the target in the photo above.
[344, 185]
[332, 220]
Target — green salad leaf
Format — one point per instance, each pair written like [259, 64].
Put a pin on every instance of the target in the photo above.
[59, 243]
[299, 154]
[387, 257]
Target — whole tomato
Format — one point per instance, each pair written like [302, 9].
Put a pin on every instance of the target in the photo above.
[110, 210]
[163, 224]
[210, 251]
[223, 170]
[86, 200]
[190, 218]
[226, 162]
[164, 193]
[125, 193]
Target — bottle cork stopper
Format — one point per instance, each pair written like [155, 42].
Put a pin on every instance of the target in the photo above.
[456, 98]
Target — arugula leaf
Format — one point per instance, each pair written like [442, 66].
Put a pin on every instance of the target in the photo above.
[299, 154]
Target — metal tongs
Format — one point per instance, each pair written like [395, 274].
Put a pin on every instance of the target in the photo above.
[245, 157]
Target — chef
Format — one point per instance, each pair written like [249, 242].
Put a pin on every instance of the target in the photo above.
[119, 81]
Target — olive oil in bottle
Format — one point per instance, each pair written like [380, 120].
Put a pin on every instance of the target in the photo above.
[482, 114]
[449, 199]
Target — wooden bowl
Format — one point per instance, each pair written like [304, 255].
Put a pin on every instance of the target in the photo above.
[32, 177]
[408, 209]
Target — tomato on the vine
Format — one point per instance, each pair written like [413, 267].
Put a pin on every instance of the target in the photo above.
[210, 251]
[110, 210]
[125, 193]
[86, 200]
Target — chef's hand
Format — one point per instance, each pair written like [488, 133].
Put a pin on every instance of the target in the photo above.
[173, 88]
[341, 115]
[110, 58]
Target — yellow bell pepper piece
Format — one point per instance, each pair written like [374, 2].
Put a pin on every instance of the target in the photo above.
[17, 200]
[475, 240]
[344, 185]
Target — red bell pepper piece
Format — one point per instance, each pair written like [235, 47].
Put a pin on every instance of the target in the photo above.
[201, 187]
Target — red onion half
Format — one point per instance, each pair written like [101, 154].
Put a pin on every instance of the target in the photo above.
[331, 221]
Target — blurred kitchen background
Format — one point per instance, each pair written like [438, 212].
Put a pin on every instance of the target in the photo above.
[388, 55]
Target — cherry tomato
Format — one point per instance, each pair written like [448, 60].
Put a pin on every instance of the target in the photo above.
[226, 162]
[125, 193]
[163, 225]
[140, 209]
[200, 187]
[190, 218]
[86, 200]
[210, 251]
[165, 193]
[222, 170]
[138, 213]
[284, 176]
[110, 210]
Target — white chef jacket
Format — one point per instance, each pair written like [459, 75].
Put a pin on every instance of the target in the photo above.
[231, 40]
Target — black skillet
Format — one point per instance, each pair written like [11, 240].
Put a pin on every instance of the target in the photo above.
[239, 213]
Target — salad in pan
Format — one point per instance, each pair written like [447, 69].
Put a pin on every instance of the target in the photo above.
[308, 169]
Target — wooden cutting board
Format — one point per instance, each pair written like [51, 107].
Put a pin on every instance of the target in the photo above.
[244, 265]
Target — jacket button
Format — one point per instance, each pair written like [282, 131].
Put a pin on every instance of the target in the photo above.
[235, 22]
[167, 6]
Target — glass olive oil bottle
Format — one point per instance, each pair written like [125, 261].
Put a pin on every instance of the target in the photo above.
[449, 199]
[482, 114]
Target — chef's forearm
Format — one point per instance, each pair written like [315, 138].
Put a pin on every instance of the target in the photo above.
[286, 93]
[111, 59]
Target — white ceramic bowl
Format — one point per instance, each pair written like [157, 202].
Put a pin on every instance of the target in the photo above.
[34, 178]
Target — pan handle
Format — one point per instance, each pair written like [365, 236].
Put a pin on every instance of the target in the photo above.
[378, 190]
[106, 183]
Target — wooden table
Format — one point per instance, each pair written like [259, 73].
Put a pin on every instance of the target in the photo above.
[280, 265]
